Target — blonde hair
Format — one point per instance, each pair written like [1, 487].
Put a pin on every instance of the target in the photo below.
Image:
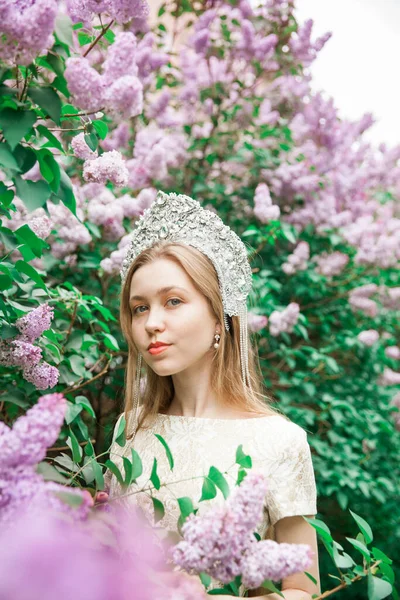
[226, 378]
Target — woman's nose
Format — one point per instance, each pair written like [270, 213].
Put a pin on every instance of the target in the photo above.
[155, 321]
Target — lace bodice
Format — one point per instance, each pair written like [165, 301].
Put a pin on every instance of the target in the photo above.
[278, 448]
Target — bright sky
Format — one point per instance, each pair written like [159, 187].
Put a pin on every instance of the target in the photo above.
[359, 64]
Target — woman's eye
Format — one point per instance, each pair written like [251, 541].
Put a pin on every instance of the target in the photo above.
[136, 310]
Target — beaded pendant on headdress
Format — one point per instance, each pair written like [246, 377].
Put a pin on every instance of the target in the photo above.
[179, 218]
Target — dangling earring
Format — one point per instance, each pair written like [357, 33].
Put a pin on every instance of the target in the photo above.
[217, 338]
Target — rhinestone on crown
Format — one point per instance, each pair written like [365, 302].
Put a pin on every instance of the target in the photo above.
[179, 218]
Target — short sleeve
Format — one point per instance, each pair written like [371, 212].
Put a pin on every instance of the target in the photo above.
[292, 489]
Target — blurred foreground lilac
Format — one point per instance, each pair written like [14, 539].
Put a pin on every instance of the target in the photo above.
[22, 447]
[222, 542]
[50, 558]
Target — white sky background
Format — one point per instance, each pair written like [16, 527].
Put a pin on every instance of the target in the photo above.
[359, 65]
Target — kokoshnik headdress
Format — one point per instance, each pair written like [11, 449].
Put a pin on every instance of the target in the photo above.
[179, 218]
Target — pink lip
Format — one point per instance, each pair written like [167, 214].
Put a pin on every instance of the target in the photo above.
[158, 349]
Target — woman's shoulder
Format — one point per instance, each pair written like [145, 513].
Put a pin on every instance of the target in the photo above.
[282, 431]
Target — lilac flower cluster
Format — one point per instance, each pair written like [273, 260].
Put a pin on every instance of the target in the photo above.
[393, 352]
[114, 557]
[221, 542]
[155, 152]
[285, 320]
[389, 377]
[119, 88]
[81, 149]
[110, 166]
[298, 260]
[256, 322]
[121, 11]
[270, 560]
[21, 448]
[359, 298]
[304, 51]
[27, 29]
[21, 353]
[331, 264]
[368, 337]
[264, 209]
[38, 221]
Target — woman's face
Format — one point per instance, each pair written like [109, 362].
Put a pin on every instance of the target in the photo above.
[166, 307]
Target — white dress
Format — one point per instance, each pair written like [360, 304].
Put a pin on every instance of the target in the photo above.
[278, 448]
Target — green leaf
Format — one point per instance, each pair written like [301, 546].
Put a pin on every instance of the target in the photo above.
[73, 443]
[85, 403]
[63, 29]
[110, 342]
[73, 410]
[25, 158]
[65, 193]
[77, 363]
[360, 547]
[25, 235]
[159, 510]
[7, 160]
[69, 498]
[241, 475]
[311, 577]
[167, 451]
[364, 527]
[115, 471]
[205, 579]
[16, 124]
[321, 528]
[91, 140]
[119, 436]
[6, 282]
[208, 490]
[216, 477]
[33, 193]
[128, 471]
[242, 459]
[50, 473]
[49, 168]
[154, 477]
[137, 466]
[269, 585]
[379, 555]
[378, 588]
[185, 506]
[23, 267]
[48, 99]
[53, 141]
[101, 128]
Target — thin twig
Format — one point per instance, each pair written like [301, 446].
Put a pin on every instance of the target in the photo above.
[102, 32]
[82, 114]
[343, 585]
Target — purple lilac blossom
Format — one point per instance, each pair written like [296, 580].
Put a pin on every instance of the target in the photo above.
[389, 377]
[368, 337]
[35, 322]
[298, 260]
[285, 320]
[264, 210]
[256, 322]
[18, 353]
[27, 29]
[109, 166]
[221, 542]
[120, 10]
[81, 149]
[42, 376]
[331, 264]
[393, 352]
[269, 560]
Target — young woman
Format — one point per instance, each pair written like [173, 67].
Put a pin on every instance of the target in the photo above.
[202, 385]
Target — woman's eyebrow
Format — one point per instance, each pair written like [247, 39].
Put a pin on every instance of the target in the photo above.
[163, 290]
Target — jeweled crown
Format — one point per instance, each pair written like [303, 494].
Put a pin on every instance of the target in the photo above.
[179, 218]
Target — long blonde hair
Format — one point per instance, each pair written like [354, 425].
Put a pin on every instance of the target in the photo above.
[226, 379]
